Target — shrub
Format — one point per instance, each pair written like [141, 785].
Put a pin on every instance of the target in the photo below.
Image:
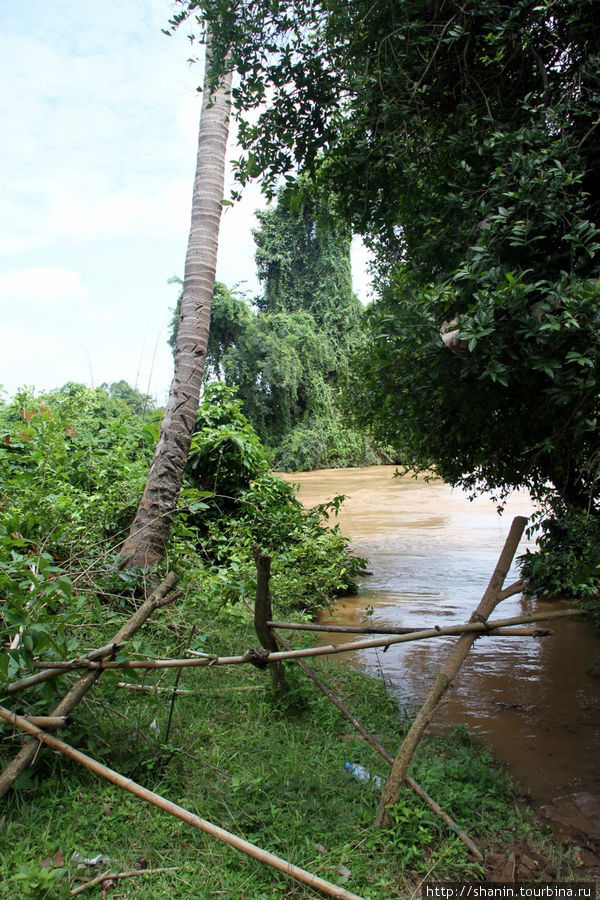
[567, 560]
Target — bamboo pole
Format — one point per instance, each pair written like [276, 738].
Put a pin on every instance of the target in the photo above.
[383, 752]
[49, 671]
[494, 628]
[149, 688]
[26, 755]
[262, 612]
[359, 629]
[458, 654]
[263, 856]
[49, 721]
[341, 629]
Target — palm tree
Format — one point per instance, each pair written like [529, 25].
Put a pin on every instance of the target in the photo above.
[149, 532]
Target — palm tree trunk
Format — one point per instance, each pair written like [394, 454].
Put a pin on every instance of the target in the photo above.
[145, 545]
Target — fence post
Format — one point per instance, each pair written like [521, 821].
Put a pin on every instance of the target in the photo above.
[263, 614]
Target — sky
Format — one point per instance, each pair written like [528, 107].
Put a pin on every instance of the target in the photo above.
[99, 113]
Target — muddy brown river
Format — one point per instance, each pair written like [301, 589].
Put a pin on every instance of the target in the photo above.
[431, 552]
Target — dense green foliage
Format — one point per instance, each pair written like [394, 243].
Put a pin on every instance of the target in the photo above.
[308, 318]
[567, 560]
[288, 354]
[291, 361]
[461, 139]
[233, 503]
[72, 468]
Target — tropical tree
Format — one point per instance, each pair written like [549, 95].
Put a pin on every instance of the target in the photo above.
[288, 353]
[460, 138]
[150, 529]
[138, 402]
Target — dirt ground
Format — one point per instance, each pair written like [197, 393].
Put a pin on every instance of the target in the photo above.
[575, 821]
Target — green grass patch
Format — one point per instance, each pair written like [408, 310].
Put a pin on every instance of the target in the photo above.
[271, 772]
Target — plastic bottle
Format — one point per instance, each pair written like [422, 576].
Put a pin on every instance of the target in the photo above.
[362, 774]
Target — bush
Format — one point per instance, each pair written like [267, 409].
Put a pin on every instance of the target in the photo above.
[226, 453]
[567, 560]
[231, 504]
[72, 469]
[329, 444]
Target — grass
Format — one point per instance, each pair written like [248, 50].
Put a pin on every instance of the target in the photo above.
[271, 772]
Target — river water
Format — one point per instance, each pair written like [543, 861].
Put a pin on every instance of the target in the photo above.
[431, 552]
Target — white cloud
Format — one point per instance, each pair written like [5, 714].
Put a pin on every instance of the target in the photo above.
[127, 212]
[42, 283]
[30, 355]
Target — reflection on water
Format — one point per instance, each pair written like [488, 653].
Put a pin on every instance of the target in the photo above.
[431, 553]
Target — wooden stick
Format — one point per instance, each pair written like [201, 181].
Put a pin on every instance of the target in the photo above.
[360, 629]
[341, 629]
[49, 672]
[28, 751]
[173, 809]
[113, 876]
[512, 589]
[457, 656]
[472, 629]
[383, 752]
[174, 694]
[49, 721]
[262, 612]
[165, 690]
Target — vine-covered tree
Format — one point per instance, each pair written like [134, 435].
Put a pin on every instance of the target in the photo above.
[289, 355]
[303, 261]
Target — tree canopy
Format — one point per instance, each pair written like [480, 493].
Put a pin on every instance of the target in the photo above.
[461, 139]
[295, 351]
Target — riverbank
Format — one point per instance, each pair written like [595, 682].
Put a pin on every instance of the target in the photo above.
[534, 701]
[271, 772]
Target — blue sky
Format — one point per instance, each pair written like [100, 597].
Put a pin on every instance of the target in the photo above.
[99, 114]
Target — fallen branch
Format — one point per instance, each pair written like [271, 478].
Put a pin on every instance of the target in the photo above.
[495, 628]
[50, 721]
[383, 752]
[179, 812]
[27, 753]
[457, 656]
[113, 876]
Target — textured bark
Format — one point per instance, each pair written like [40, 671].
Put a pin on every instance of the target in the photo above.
[145, 545]
[262, 613]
